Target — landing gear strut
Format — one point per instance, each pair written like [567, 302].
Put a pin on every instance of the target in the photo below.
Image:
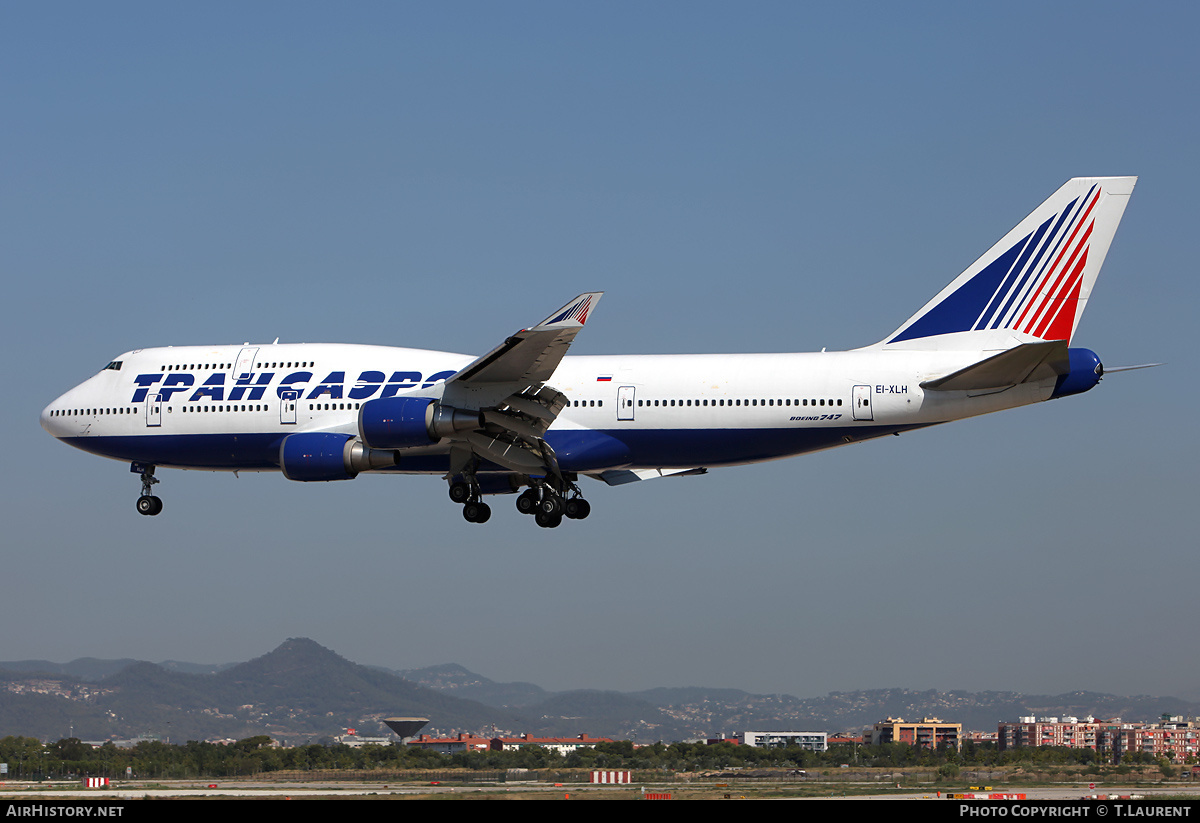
[147, 503]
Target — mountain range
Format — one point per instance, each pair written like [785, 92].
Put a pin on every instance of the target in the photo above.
[303, 692]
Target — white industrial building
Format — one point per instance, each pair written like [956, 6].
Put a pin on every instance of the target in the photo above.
[810, 741]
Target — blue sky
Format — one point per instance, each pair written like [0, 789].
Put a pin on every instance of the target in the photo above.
[763, 177]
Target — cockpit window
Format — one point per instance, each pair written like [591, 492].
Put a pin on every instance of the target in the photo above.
[114, 365]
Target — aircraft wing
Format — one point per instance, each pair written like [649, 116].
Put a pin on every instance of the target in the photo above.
[508, 386]
[531, 355]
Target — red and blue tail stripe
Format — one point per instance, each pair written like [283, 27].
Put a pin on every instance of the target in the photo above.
[1033, 286]
[577, 311]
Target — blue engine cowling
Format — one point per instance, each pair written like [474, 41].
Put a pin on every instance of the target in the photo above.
[395, 422]
[310, 456]
[314, 456]
[1085, 372]
[405, 422]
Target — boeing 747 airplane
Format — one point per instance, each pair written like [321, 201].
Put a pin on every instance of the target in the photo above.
[525, 416]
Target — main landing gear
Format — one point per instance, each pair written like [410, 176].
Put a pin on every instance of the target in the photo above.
[474, 509]
[147, 503]
[548, 507]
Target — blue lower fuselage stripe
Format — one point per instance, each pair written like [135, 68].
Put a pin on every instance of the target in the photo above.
[577, 450]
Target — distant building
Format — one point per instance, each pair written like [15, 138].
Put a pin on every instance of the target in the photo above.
[1174, 738]
[845, 740]
[1069, 732]
[810, 741]
[563, 745]
[980, 737]
[129, 744]
[357, 741]
[929, 733]
[452, 745]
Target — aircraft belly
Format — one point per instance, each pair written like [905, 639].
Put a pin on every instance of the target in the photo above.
[233, 452]
[676, 448]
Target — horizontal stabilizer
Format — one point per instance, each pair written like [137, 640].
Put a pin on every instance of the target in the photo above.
[1031, 361]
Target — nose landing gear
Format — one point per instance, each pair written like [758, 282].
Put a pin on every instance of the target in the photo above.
[148, 503]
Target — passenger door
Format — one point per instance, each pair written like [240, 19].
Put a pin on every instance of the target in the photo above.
[625, 402]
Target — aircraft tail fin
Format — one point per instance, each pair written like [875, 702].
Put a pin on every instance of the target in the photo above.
[1032, 285]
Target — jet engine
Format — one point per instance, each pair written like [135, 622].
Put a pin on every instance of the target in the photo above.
[312, 456]
[405, 422]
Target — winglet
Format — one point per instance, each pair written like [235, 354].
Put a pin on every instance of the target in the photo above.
[572, 315]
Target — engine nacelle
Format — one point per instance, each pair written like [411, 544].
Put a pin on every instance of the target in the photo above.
[405, 422]
[1085, 372]
[310, 456]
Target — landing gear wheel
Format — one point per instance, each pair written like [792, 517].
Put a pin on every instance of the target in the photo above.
[577, 508]
[460, 492]
[476, 512]
[527, 503]
[548, 521]
[551, 504]
[149, 504]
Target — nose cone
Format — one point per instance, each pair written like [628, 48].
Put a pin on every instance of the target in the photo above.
[55, 418]
[49, 419]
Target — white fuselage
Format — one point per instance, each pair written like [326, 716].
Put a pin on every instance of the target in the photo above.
[228, 407]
